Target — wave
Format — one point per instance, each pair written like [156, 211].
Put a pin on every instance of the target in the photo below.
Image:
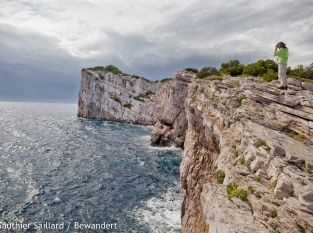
[162, 214]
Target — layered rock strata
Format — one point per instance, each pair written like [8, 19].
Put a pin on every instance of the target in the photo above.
[106, 96]
[259, 138]
[248, 152]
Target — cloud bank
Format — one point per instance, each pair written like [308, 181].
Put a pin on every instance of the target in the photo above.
[44, 44]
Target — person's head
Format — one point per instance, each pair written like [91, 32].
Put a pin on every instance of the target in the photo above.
[281, 45]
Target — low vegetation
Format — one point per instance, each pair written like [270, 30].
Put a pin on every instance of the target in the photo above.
[242, 160]
[240, 99]
[213, 77]
[109, 68]
[127, 105]
[142, 97]
[114, 70]
[194, 70]
[250, 190]
[273, 185]
[220, 175]
[294, 134]
[235, 151]
[257, 178]
[207, 71]
[166, 80]
[273, 213]
[232, 190]
[116, 99]
[262, 143]
[264, 69]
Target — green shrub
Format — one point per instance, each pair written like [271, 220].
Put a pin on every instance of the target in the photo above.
[250, 190]
[127, 105]
[240, 99]
[235, 151]
[109, 68]
[242, 160]
[220, 175]
[260, 68]
[141, 97]
[302, 72]
[213, 77]
[140, 77]
[257, 178]
[237, 85]
[166, 79]
[269, 76]
[273, 185]
[207, 71]
[294, 134]
[194, 70]
[261, 142]
[273, 213]
[138, 98]
[232, 190]
[233, 68]
[242, 194]
[116, 99]
[275, 231]
[231, 187]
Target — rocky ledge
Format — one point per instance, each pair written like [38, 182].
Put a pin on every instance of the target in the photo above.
[248, 151]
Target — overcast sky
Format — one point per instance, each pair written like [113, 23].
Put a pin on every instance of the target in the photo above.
[44, 44]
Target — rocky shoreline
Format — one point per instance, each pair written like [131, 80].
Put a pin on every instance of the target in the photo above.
[248, 151]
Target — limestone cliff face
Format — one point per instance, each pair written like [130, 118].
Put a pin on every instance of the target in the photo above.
[247, 131]
[234, 131]
[137, 101]
[115, 97]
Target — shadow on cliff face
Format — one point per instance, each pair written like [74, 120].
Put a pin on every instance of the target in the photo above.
[202, 147]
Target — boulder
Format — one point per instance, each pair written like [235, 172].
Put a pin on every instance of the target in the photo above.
[284, 188]
[278, 151]
[307, 200]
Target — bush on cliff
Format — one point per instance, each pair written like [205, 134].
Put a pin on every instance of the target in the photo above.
[207, 71]
[260, 67]
[269, 76]
[109, 68]
[194, 70]
[232, 190]
[302, 72]
[116, 99]
[220, 176]
[233, 68]
[165, 80]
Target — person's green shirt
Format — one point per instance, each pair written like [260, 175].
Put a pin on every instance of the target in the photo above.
[282, 55]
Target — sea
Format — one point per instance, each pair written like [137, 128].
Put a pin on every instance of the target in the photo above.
[89, 175]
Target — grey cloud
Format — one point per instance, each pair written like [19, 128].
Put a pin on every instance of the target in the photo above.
[35, 67]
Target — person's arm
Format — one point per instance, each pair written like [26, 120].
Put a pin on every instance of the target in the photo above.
[277, 52]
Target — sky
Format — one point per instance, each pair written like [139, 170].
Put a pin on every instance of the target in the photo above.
[44, 44]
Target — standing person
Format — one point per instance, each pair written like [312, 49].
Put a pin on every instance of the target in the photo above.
[281, 51]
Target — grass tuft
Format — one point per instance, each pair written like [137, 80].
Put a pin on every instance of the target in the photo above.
[262, 143]
[220, 175]
[232, 190]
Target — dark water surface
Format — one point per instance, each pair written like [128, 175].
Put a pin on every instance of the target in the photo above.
[55, 167]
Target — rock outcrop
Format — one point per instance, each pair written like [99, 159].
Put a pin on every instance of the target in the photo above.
[248, 150]
[259, 138]
[106, 96]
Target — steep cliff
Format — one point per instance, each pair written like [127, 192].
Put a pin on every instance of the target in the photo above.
[245, 133]
[106, 96]
[248, 152]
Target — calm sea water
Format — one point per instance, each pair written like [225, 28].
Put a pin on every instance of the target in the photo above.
[55, 167]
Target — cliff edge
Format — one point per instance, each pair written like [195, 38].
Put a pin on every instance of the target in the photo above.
[248, 151]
